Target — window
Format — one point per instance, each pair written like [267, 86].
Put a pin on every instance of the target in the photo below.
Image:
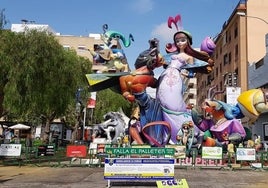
[98, 47]
[236, 52]
[235, 31]
[221, 86]
[224, 39]
[209, 79]
[229, 37]
[230, 58]
[225, 59]
[259, 64]
[191, 85]
[66, 47]
[81, 48]
[190, 95]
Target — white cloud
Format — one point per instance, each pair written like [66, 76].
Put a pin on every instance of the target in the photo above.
[143, 6]
[163, 33]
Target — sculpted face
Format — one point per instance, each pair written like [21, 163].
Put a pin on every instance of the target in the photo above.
[181, 40]
[209, 105]
[213, 108]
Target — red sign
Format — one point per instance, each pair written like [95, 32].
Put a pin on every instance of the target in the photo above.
[91, 103]
[76, 151]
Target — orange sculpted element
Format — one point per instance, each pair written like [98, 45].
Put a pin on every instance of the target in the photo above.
[138, 81]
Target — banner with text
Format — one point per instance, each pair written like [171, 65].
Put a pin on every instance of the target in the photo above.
[139, 168]
[12, 150]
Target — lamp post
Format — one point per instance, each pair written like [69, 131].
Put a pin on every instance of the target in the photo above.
[244, 14]
[79, 104]
[84, 122]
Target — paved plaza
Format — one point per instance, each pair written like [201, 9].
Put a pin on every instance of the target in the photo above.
[88, 177]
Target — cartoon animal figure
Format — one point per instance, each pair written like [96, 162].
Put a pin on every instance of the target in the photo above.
[143, 76]
[219, 120]
[109, 34]
[112, 128]
[109, 54]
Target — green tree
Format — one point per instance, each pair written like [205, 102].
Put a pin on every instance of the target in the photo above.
[3, 20]
[107, 101]
[4, 36]
[42, 77]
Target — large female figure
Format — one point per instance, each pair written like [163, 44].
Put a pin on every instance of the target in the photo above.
[170, 89]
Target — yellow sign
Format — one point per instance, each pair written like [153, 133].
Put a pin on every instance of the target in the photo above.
[180, 183]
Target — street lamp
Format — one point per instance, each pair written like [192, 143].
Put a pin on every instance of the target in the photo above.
[244, 14]
[79, 104]
[84, 122]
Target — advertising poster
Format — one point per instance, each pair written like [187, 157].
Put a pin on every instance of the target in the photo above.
[12, 150]
[76, 151]
[179, 151]
[245, 154]
[211, 153]
[232, 95]
[139, 168]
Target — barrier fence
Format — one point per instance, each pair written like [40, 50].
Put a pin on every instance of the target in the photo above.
[95, 155]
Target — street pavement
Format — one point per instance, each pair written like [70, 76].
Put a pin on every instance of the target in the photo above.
[89, 177]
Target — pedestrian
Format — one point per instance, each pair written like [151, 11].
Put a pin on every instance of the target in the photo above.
[8, 136]
[257, 141]
[28, 142]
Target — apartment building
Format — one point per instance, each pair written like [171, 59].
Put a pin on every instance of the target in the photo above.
[241, 57]
[241, 43]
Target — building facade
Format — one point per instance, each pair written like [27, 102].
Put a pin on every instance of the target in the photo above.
[240, 48]
[241, 42]
[258, 78]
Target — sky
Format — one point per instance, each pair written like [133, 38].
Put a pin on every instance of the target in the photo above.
[144, 19]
